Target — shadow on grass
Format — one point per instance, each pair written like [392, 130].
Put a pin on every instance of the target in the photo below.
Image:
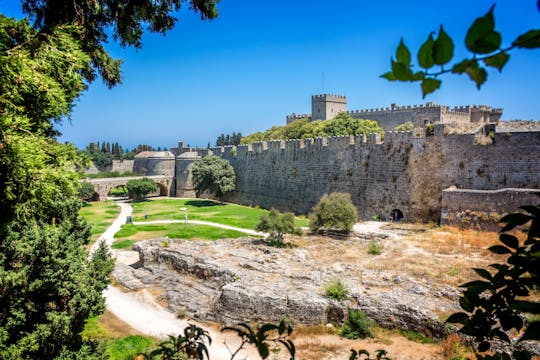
[202, 203]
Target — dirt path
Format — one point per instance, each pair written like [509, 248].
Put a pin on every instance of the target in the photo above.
[140, 311]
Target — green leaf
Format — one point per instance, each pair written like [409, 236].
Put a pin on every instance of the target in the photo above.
[402, 72]
[529, 40]
[477, 74]
[443, 48]
[481, 37]
[527, 307]
[466, 304]
[457, 318]
[425, 54]
[389, 76]
[483, 346]
[499, 249]
[497, 61]
[419, 75]
[532, 332]
[483, 273]
[509, 240]
[403, 55]
[429, 85]
[513, 220]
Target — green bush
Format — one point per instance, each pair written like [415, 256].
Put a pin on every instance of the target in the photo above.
[408, 126]
[277, 225]
[333, 212]
[86, 191]
[430, 129]
[139, 188]
[336, 289]
[357, 325]
[374, 249]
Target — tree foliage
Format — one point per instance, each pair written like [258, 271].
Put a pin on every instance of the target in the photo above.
[333, 212]
[408, 126]
[86, 191]
[99, 19]
[48, 286]
[277, 225]
[342, 124]
[139, 188]
[495, 305]
[436, 54]
[213, 175]
[233, 139]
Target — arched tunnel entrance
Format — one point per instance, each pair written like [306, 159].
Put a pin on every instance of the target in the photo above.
[396, 215]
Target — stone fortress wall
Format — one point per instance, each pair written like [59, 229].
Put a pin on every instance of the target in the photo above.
[402, 172]
[121, 166]
[327, 106]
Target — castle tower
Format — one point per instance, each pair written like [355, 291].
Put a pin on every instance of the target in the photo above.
[327, 106]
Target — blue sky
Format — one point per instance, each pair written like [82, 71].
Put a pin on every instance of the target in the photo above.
[259, 61]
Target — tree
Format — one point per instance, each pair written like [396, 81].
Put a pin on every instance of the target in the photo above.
[435, 55]
[333, 212]
[139, 188]
[343, 124]
[277, 225]
[86, 191]
[48, 286]
[213, 175]
[124, 21]
[408, 126]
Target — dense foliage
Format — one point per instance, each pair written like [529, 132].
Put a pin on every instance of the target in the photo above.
[139, 188]
[333, 212]
[342, 124]
[48, 286]
[408, 126]
[357, 325]
[277, 225]
[100, 19]
[86, 191]
[232, 139]
[213, 175]
[435, 55]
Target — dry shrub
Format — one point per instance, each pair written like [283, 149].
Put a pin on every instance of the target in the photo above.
[452, 347]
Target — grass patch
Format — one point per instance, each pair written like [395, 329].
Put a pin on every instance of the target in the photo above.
[207, 210]
[374, 249]
[130, 232]
[417, 337]
[336, 289]
[123, 244]
[99, 215]
[357, 325]
[128, 347]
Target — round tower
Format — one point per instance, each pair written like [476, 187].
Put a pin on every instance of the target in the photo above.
[184, 164]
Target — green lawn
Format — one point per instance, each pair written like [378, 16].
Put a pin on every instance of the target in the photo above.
[132, 233]
[228, 214]
[100, 215]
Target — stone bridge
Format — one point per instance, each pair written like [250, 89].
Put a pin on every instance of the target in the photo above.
[102, 186]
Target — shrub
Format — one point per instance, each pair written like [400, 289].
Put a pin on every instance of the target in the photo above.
[139, 188]
[277, 225]
[408, 126]
[430, 129]
[336, 289]
[86, 191]
[357, 325]
[374, 249]
[333, 212]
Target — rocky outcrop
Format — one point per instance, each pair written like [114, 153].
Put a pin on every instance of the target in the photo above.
[241, 280]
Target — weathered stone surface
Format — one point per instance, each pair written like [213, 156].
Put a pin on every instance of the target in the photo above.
[239, 280]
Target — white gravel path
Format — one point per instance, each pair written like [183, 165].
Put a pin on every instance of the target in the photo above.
[200, 222]
[140, 311]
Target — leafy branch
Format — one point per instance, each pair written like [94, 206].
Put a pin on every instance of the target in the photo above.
[435, 55]
[495, 305]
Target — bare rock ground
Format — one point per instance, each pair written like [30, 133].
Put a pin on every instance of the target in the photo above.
[241, 280]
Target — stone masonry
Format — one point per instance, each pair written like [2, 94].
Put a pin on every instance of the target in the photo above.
[327, 106]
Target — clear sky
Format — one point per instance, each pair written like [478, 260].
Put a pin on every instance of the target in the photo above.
[259, 61]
